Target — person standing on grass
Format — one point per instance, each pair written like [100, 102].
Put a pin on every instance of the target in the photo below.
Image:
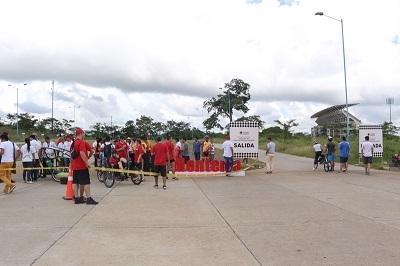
[367, 150]
[271, 149]
[9, 153]
[161, 156]
[227, 146]
[27, 161]
[318, 151]
[331, 149]
[82, 151]
[344, 152]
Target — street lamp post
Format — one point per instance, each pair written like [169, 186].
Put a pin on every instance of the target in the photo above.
[390, 101]
[10, 85]
[344, 68]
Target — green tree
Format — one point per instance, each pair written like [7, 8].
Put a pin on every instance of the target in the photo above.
[389, 130]
[129, 129]
[252, 118]
[144, 126]
[235, 96]
[26, 121]
[287, 126]
[178, 130]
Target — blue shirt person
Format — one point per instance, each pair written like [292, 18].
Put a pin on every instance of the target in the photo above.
[197, 149]
[344, 152]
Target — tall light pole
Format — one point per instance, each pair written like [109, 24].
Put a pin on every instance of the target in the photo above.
[52, 107]
[74, 108]
[10, 85]
[390, 101]
[344, 68]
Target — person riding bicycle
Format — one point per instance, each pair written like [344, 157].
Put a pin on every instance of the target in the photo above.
[317, 147]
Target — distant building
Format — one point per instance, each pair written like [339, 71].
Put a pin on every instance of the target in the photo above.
[332, 121]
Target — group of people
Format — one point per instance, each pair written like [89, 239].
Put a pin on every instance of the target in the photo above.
[143, 154]
[122, 151]
[31, 153]
[343, 148]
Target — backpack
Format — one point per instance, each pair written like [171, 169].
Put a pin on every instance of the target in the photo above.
[107, 150]
[74, 154]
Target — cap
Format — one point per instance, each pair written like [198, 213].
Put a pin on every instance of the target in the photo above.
[79, 131]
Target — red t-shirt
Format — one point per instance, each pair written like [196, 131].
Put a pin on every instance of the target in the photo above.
[160, 152]
[138, 151]
[170, 148]
[78, 163]
[124, 152]
[113, 161]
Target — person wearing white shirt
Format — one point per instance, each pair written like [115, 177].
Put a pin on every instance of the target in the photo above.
[9, 152]
[67, 150]
[367, 150]
[317, 147]
[227, 146]
[50, 146]
[271, 147]
[37, 146]
[60, 156]
[27, 160]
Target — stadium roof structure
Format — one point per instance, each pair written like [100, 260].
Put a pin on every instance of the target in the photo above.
[335, 116]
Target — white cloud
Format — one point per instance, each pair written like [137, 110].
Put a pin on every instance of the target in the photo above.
[162, 58]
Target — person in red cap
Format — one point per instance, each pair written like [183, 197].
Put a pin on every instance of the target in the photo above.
[81, 151]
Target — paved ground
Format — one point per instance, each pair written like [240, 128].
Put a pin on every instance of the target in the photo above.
[292, 217]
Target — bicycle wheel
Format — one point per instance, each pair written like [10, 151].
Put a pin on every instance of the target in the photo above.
[137, 179]
[100, 176]
[109, 179]
[327, 166]
[54, 175]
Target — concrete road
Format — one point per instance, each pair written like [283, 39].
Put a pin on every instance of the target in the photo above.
[292, 217]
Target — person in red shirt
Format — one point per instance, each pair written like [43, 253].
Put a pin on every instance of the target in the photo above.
[171, 148]
[121, 147]
[80, 167]
[161, 156]
[138, 154]
[114, 161]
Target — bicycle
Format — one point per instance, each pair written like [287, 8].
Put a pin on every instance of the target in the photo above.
[109, 177]
[324, 161]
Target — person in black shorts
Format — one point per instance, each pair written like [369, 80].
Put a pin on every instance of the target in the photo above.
[81, 151]
[161, 157]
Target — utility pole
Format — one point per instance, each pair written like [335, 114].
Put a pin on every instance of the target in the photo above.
[52, 107]
[390, 101]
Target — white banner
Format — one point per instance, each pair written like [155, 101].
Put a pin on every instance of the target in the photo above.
[244, 136]
[375, 137]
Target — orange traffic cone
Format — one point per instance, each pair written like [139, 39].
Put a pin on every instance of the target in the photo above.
[69, 192]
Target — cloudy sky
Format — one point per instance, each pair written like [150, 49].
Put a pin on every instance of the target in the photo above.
[163, 58]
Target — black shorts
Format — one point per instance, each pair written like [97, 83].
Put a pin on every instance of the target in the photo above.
[160, 169]
[205, 154]
[186, 158]
[171, 161]
[367, 160]
[81, 177]
[344, 159]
